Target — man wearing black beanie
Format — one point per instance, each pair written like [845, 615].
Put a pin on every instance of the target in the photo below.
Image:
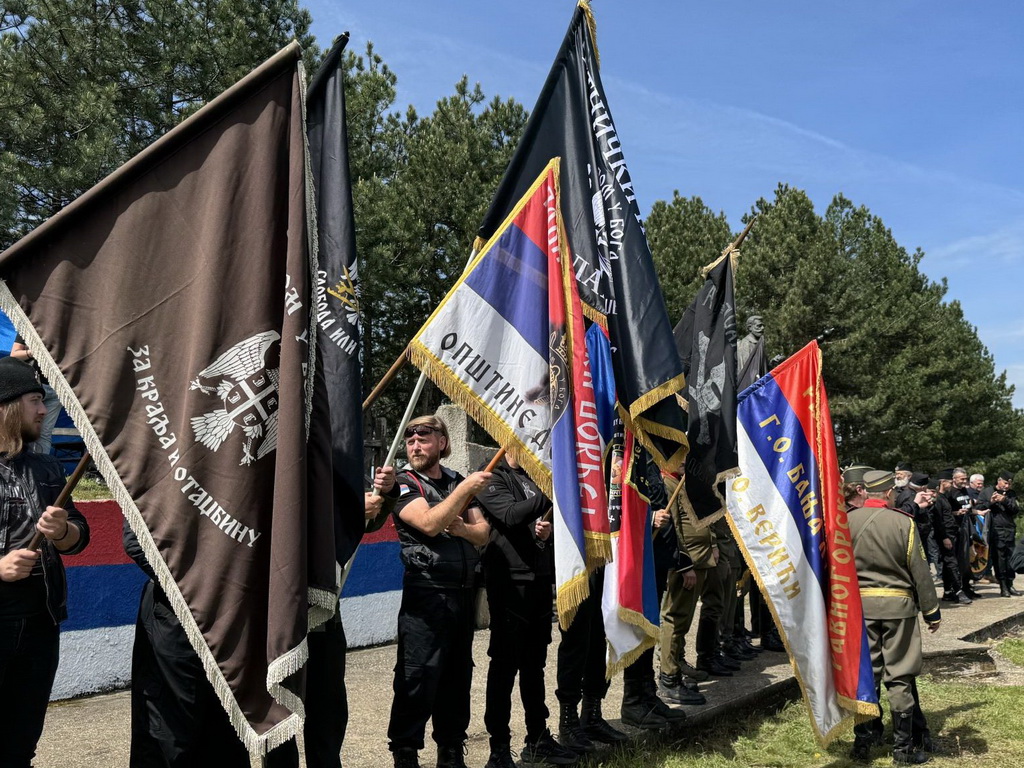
[33, 589]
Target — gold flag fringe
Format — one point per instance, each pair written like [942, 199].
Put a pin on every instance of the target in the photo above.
[650, 639]
[481, 413]
[592, 28]
[569, 597]
[598, 548]
[862, 708]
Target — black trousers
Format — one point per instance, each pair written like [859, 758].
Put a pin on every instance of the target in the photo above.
[521, 615]
[326, 703]
[581, 654]
[29, 652]
[1000, 549]
[434, 670]
[951, 579]
[177, 719]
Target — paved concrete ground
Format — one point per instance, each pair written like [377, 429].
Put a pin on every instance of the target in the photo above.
[93, 731]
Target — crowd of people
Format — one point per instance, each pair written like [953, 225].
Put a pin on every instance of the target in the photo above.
[910, 531]
[494, 528]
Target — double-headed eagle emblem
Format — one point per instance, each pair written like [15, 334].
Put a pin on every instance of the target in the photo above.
[245, 378]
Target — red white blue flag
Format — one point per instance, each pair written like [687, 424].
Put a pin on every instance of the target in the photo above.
[629, 603]
[788, 514]
[507, 344]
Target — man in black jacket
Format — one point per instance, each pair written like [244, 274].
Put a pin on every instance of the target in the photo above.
[963, 508]
[519, 575]
[1001, 503]
[33, 588]
[440, 539]
[946, 529]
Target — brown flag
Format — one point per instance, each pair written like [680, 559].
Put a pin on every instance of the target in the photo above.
[169, 306]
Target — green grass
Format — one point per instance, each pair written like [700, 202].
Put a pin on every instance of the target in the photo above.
[975, 723]
[1012, 650]
[90, 489]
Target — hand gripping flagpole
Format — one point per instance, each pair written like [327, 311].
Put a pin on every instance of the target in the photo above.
[69, 487]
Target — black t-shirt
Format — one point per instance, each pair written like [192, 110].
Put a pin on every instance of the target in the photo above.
[26, 597]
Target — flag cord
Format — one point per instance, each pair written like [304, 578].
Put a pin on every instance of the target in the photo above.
[730, 250]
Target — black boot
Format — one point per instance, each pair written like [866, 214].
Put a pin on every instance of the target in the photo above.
[707, 649]
[672, 715]
[406, 758]
[637, 711]
[501, 757]
[570, 732]
[903, 751]
[729, 663]
[595, 726]
[671, 686]
[771, 641]
[735, 651]
[1003, 589]
[923, 741]
[863, 740]
[546, 751]
[1013, 592]
[451, 756]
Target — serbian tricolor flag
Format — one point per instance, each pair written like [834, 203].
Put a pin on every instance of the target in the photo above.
[790, 521]
[508, 345]
[629, 603]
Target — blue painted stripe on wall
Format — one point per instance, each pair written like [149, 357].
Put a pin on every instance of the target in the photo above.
[377, 568]
[103, 596]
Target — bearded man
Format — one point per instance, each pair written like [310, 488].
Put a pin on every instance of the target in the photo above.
[33, 588]
[440, 548]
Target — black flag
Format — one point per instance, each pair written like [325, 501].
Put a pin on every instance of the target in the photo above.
[611, 258]
[706, 340]
[337, 302]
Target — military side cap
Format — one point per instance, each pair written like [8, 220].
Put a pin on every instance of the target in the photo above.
[879, 481]
[855, 473]
[919, 479]
[946, 474]
[904, 466]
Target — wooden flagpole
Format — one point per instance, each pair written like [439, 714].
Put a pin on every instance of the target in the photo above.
[69, 487]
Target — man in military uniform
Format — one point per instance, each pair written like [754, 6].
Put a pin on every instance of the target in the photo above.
[894, 583]
[1001, 503]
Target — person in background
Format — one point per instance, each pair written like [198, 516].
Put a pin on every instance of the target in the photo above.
[19, 351]
[1001, 503]
[519, 573]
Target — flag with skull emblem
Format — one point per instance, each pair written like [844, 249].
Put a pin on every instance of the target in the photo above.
[171, 308]
[706, 341]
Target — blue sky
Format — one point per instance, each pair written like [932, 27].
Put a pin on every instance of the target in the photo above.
[914, 108]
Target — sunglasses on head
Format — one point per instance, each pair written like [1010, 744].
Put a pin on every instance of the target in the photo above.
[422, 431]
